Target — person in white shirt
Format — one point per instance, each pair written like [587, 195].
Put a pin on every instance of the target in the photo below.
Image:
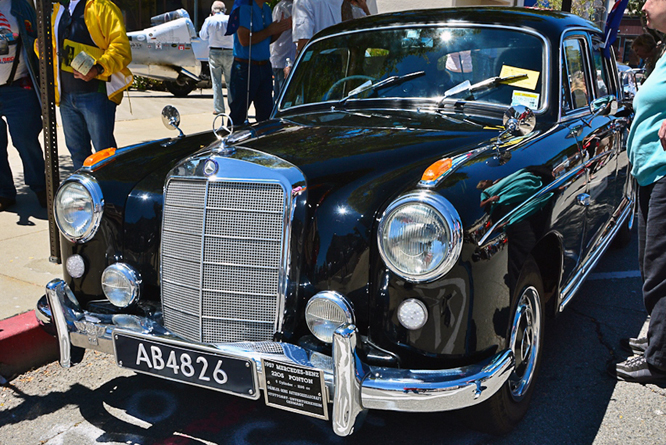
[283, 48]
[220, 52]
[311, 16]
[354, 9]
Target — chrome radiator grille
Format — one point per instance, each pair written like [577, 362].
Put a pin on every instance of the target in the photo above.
[221, 259]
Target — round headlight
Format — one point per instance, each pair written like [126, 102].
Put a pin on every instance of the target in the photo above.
[121, 284]
[78, 208]
[325, 312]
[412, 314]
[420, 236]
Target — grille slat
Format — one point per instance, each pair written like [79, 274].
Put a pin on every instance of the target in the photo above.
[238, 230]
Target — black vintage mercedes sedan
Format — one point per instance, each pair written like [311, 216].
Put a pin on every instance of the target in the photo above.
[431, 186]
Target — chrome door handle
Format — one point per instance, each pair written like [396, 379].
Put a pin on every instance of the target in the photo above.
[583, 199]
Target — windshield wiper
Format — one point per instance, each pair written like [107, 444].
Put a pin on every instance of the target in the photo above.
[468, 88]
[389, 81]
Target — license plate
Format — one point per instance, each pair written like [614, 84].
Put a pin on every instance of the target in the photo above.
[199, 367]
[295, 388]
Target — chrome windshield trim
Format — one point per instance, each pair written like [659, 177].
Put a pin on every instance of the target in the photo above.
[546, 55]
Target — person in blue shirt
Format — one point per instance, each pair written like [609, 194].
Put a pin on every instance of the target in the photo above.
[252, 59]
[646, 147]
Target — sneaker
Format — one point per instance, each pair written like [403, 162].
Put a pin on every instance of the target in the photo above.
[635, 346]
[41, 197]
[637, 369]
[5, 203]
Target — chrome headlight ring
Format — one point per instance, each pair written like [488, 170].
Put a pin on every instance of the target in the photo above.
[96, 202]
[449, 235]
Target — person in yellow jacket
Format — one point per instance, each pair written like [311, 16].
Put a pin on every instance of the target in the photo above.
[93, 53]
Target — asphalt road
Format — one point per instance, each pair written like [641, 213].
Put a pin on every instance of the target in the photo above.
[575, 400]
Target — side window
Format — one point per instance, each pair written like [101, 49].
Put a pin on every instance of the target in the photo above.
[575, 73]
[602, 82]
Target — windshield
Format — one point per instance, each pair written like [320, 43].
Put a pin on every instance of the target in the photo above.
[333, 68]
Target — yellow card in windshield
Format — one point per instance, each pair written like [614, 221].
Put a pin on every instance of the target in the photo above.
[532, 76]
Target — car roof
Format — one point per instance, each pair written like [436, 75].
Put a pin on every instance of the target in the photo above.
[550, 23]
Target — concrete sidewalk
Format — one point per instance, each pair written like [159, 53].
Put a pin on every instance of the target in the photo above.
[24, 235]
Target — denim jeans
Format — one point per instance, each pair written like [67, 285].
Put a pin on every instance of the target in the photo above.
[20, 108]
[278, 82]
[220, 61]
[260, 91]
[87, 117]
[652, 263]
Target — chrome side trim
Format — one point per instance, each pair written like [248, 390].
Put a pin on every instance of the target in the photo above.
[552, 186]
[626, 209]
[353, 386]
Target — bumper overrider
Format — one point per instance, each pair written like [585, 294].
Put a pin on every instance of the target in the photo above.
[351, 385]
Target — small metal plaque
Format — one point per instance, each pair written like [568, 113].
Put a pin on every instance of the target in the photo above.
[295, 388]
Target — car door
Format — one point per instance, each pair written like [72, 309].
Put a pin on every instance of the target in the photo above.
[569, 216]
[603, 149]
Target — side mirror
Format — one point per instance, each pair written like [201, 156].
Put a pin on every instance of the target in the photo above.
[171, 120]
[518, 120]
[606, 105]
[170, 117]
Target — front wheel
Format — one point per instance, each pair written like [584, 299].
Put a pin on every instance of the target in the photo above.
[502, 412]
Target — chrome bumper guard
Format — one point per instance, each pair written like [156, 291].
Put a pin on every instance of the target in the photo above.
[352, 385]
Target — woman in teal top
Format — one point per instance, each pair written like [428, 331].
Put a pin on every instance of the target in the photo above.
[647, 153]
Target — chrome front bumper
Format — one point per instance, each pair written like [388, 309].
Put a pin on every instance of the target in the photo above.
[353, 386]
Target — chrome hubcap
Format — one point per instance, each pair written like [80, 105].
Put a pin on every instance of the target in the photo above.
[525, 341]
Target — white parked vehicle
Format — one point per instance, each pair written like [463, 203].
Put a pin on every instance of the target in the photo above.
[171, 51]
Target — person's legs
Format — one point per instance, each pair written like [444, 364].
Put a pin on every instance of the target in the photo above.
[215, 63]
[263, 97]
[24, 117]
[100, 116]
[654, 271]
[227, 62]
[7, 188]
[238, 93]
[75, 128]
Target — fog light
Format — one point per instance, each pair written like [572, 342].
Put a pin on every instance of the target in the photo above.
[412, 314]
[75, 265]
[121, 284]
[325, 312]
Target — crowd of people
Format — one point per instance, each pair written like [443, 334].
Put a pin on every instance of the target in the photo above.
[92, 53]
[263, 48]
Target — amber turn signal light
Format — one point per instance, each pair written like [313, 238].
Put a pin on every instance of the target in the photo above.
[99, 156]
[437, 169]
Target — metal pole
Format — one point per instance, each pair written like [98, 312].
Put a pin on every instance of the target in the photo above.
[249, 68]
[196, 14]
[47, 91]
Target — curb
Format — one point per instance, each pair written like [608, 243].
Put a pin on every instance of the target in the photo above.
[24, 345]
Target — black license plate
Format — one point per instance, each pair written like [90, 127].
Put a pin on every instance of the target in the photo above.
[172, 361]
[295, 388]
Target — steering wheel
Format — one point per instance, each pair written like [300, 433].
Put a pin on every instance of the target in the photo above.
[344, 79]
